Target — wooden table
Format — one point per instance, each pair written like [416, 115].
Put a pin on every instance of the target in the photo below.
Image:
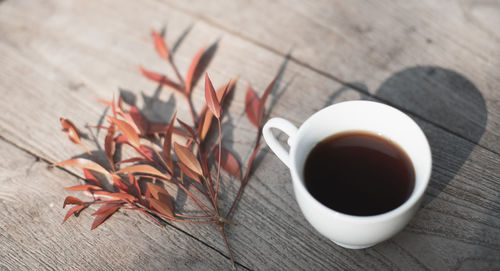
[438, 61]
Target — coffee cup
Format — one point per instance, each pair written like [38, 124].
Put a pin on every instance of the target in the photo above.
[347, 230]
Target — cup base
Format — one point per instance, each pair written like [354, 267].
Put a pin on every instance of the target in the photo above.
[353, 246]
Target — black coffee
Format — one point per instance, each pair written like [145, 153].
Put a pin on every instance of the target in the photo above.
[359, 173]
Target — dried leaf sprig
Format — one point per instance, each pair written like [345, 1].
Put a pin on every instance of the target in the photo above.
[159, 159]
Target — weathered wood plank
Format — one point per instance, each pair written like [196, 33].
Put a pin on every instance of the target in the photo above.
[33, 238]
[380, 47]
[42, 61]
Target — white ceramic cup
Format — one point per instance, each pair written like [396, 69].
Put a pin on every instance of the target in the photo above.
[346, 230]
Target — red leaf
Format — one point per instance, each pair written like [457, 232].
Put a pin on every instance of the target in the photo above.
[89, 177]
[106, 208]
[144, 169]
[132, 160]
[163, 204]
[252, 104]
[148, 152]
[140, 121]
[72, 201]
[70, 129]
[109, 144]
[159, 78]
[188, 158]
[135, 183]
[83, 187]
[228, 162]
[73, 210]
[191, 174]
[167, 144]
[155, 189]
[121, 139]
[83, 163]
[211, 98]
[206, 123]
[130, 121]
[123, 196]
[100, 218]
[128, 131]
[187, 128]
[160, 45]
[192, 69]
[118, 183]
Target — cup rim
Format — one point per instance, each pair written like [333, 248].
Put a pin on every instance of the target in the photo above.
[415, 196]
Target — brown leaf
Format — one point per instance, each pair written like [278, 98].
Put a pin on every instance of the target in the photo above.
[160, 45]
[89, 177]
[144, 169]
[128, 131]
[109, 144]
[188, 158]
[106, 207]
[159, 78]
[131, 160]
[123, 196]
[192, 69]
[135, 183]
[164, 204]
[100, 218]
[187, 128]
[155, 189]
[211, 98]
[167, 144]
[228, 162]
[73, 210]
[83, 163]
[83, 187]
[129, 120]
[72, 201]
[138, 118]
[70, 129]
[118, 183]
[73, 134]
[206, 123]
[148, 152]
[121, 139]
[252, 107]
[191, 174]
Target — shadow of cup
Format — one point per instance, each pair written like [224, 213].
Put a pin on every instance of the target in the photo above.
[446, 99]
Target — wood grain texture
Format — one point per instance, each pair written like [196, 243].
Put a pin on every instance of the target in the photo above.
[56, 57]
[367, 44]
[33, 238]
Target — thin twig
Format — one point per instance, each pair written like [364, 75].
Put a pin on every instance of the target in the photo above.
[218, 166]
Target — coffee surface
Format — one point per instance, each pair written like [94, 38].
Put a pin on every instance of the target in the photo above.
[359, 173]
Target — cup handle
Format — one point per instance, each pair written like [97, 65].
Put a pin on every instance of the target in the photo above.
[273, 143]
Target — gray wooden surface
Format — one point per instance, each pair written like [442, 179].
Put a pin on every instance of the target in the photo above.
[436, 60]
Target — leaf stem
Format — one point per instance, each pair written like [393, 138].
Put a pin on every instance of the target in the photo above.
[218, 165]
[223, 233]
[179, 77]
[191, 108]
[244, 181]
